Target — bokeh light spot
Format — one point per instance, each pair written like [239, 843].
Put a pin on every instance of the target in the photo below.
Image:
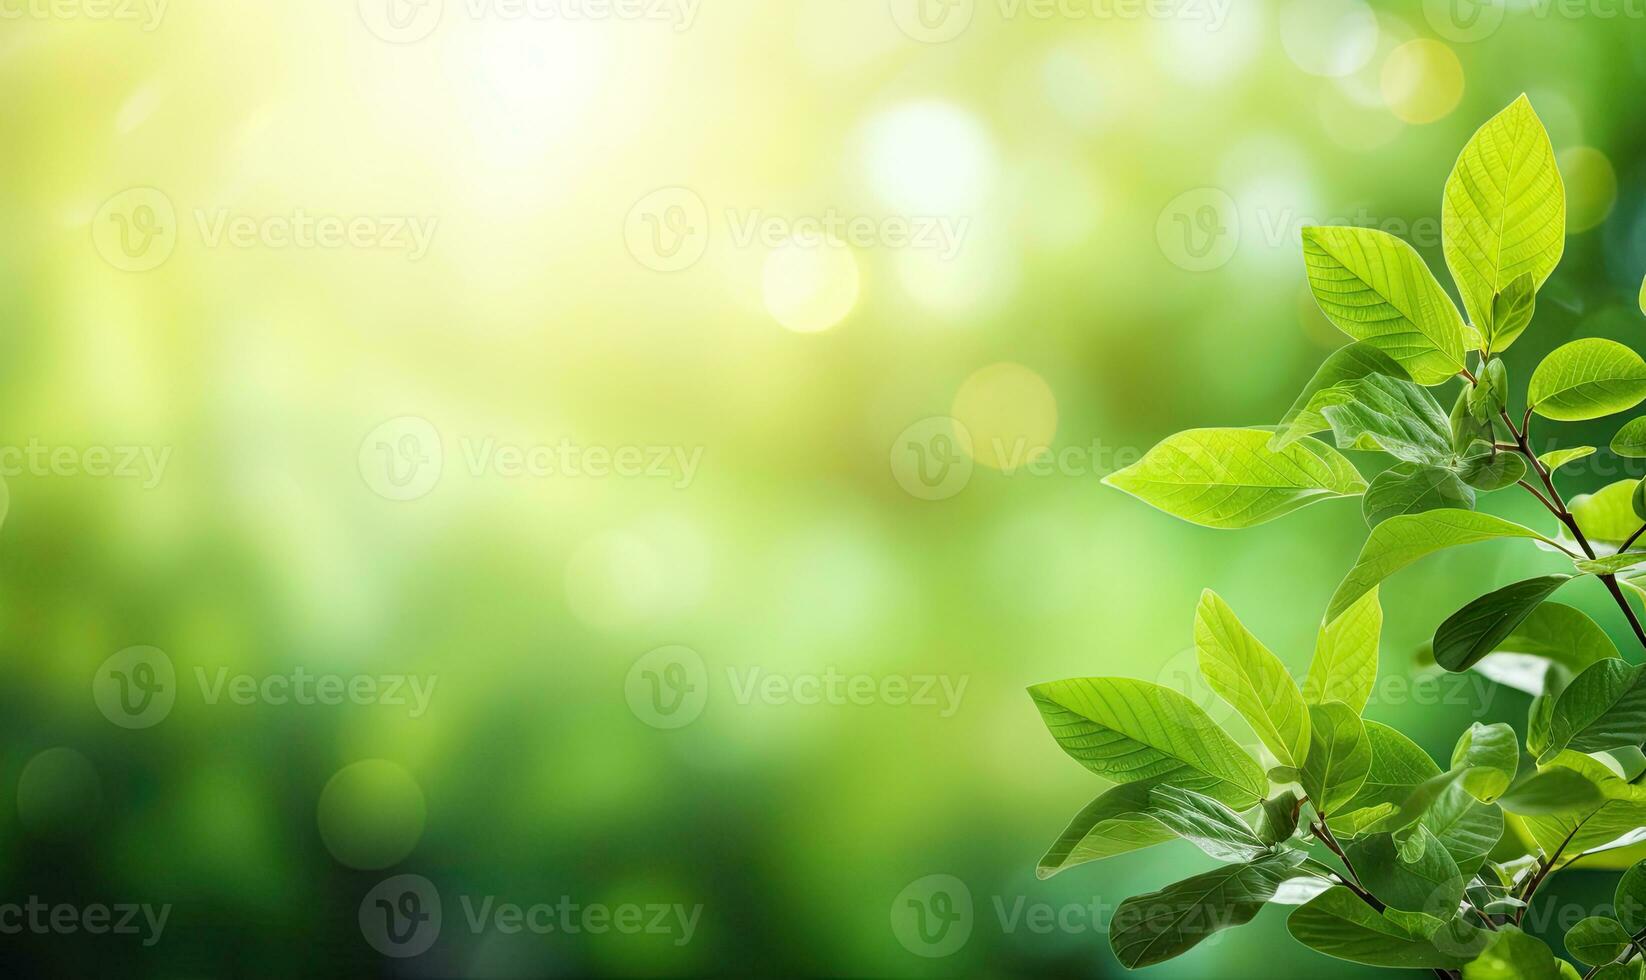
[371, 814]
[1329, 38]
[1422, 81]
[810, 288]
[1591, 187]
[1010, 412]
[929, 159]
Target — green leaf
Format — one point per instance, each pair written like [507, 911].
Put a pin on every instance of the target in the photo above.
[1560, 636]
[1490, 393]
[1339, 758]
[1128, 730]
[1597, 940]
[1251, 679]
[1399, 541]
[1631, 439]
[1489, 756]
[1513, 955]
[1560, 457]
[1479, 627]
[1550, 791]
[1504, 212]
[1206, 823]
[1229, 478]
[1413, 488]
[1431, 884]
[1350, 363]
[1465, 430]
[1339, 924]
[1488, 469]
[1615, 971]
[1619, 816]
[1587, 379]
[1152, 928]
[1603, 708]
[1277, 819]
[1344, 667]
[1397, 769]
[1637, 500]
[1608, 514]
[1512, 311]
[1388, 414]
[1467, 828]
[1609, 564]
[1629, 902]
[1375, 288]
[1115, 823]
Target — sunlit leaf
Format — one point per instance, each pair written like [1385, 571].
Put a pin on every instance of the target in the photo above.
[1340, 756]
[1344, 667]
[1587, 379]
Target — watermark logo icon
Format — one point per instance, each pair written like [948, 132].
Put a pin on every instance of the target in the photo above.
[400, 917]
[1199, 230]
[402, 21]
[933, 916]
[136, 687]
[135, 230]
[1464, 21]
[668, 687]
[402, 459]
[933, 21]
[668, 229]
[932, 459]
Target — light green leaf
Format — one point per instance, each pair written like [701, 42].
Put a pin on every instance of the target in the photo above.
[1388, 414]
[1229, 478]
[1512, 311]
[1489, 756]
[1339, 759]
[1560, 457]
[1355, 361]
[1431, 883]
[1608, 514]
[1629, 902]
[1513, 955]
[1479, 627]
[1551, 791]
[1152, 928]
[1609, 564]
[1504, 212]
[1399, 541]
[1620, 815]
[1339, 924]
[1587, 379]
[1397, 769]
[1603, 708]
[1412, 488]
[1597, 940]
[1375, 288]
[1465, 827]
[1488, 469]
[1251, 679]
[1206, 823]
[1128, 730]
[1631, 439]
[1490, 392]
[1114, 823]
[1344, 667]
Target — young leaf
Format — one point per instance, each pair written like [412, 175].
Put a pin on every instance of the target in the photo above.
[1229, 478]
[1375, 288]
[1152, 928]
[1115, 823]
[1399, 541]
[1631, 439]
[1128, 730]
[1608, 514]
[1412, 488]
[1381, 413]
[1489, 756]
[1277, 819]
[1206, 823]
[1587, 379]
[1488, 469]
[1251, 679]
[1560, 457]
[1512, 311]
[1350, 363]
[1491, 393]
[1597, 940]
[1339, 759]
[1513, 955]
[1603, 708]
[1339, 924]
[1476, 630]
[1504, 212]
[1344, 667]
[1429, 883]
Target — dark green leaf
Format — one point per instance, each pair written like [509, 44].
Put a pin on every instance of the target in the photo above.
[1277, 820]
[1513, 955]
[1603, 708]
[1629, 901]
[1553, 790]
[1339, 924]
[1487, 469]
[1479, 627]
[1412, 488]
[1430, 882]
[1597, 940]
[1631, 439]
[1350, 363]
[1382, 413]
[1206, 823]
[1114, 823]
[1155, 927]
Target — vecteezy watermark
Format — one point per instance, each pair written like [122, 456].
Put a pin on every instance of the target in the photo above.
[939, 21]
[1199, 230]
[147, 14]
[1466, 21]
[138, 229]
[144, 463]
[402, 917]
[669, 230]
[410, 21]
[404, 458]
[669, 687]
[137, 688]
[933, 459]
[42, 918]
[1283, 228]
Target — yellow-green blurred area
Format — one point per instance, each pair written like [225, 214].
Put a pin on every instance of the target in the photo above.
[701, 291]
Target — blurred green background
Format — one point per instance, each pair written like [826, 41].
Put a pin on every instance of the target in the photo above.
[257, 452]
